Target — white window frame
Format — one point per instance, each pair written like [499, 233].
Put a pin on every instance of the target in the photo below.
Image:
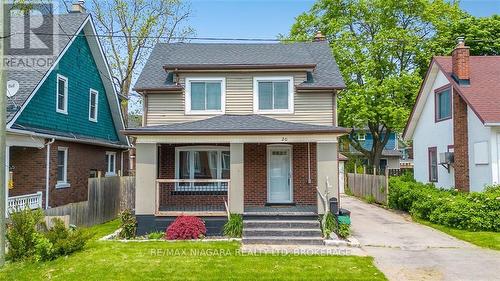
[92, 91]
[64, 183]
[219, 150]
[65, 79]
[361, 134]
[108, 172]
[189, 80]
[291, 86]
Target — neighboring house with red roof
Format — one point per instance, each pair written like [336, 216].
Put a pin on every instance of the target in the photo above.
[455, 123]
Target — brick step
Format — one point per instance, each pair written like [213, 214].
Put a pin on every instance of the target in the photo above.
[283, 240]
[281, 232]
[302, 224]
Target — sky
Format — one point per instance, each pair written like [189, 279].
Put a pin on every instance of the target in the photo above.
[267, 19]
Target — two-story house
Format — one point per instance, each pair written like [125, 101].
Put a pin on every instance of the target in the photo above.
[248, 128]
[455, 122]
[391, 154]
[63, 123]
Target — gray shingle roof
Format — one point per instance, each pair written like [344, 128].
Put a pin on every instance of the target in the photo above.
[230, 124]
[29, 79]
[326, 73]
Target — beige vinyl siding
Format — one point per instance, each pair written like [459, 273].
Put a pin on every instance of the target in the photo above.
[313, 107]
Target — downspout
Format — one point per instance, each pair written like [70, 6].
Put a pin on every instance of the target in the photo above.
[47, 173]
[121, 161]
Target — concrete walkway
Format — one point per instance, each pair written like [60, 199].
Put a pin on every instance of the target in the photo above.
[405, 250]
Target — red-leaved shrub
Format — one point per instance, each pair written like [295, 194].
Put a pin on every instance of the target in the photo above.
[186, 227]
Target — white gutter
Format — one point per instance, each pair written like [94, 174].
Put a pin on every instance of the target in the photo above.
[47, 173]
[491, 124]
[48, 136]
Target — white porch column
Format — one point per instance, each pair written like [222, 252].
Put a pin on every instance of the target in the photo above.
[235, 193]
[7, 176]
[145, 178]
[326, 154]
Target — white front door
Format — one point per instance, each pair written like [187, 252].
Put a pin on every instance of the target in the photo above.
[279, 174]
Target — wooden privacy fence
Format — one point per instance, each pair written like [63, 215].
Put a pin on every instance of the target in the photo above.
[107, 197]
[366, 185]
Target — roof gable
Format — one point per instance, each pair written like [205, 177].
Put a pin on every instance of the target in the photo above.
[31, 82]
[425, 89]
[483, 93]
[79, 66]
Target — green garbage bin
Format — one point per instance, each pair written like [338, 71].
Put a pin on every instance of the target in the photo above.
[344, 220]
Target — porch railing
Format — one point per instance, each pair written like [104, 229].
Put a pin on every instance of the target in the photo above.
[31, 201]
[192, 196]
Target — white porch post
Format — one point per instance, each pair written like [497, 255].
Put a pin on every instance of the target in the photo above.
[145, 178]
[236, 187]
[326, 154]
[7, 176]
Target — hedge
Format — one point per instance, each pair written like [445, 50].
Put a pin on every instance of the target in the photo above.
[473, 211]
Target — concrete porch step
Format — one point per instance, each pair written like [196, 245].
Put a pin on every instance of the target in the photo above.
[283, 240]
[302, 224]
[280, 216]
[281, 232]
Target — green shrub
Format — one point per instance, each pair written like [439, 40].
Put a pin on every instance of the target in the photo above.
[23, 235]
[156, 235]
[128, 225]
[66, 241]
[328, 224]
[344, 230]
[234, 226]
[29, 238]
[473, 211]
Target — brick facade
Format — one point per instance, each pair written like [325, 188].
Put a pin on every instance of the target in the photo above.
[166, 170]
[255, 174]
[255, 177]
[461, 143]
[30, 169]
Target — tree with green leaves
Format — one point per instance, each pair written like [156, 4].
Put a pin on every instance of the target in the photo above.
[379, 46]
[132, 28]
[480, 33]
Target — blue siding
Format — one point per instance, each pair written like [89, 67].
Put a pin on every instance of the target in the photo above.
[368, 143]
[391, 144]
[79, 67]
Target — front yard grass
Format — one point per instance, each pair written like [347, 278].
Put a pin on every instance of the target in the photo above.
[486, 239]
[110, 260]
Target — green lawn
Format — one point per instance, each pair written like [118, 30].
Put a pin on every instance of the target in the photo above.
[106, 260]
[484, 239]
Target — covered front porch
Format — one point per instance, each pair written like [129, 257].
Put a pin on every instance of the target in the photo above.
[198, 179]
[236, 164]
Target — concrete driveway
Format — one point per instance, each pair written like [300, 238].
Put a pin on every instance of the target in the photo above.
[405, 250]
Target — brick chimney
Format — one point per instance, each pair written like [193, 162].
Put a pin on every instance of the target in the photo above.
[78, 7]
[319, 37]
[460, 61]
